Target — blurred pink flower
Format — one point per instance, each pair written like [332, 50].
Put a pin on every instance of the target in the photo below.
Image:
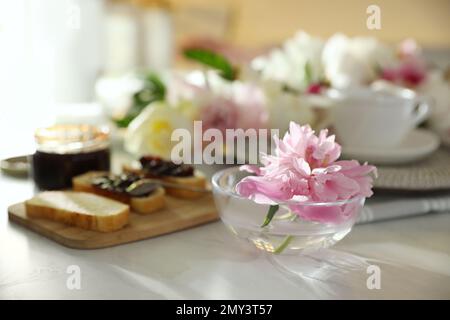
[315, 88]
[411, 73]
[409, 48]
[229, 106]
[251, 102]
[411, 69]
[243, 109]
[220, 113]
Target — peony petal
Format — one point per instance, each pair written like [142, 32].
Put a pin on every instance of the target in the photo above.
[264, 191]
[251, 168]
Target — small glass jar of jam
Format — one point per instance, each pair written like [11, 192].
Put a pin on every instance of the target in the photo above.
[65, 151]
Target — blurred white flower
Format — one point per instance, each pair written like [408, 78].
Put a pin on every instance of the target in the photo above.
[297, 64]
[284, 107]
[150, 132]
[354, 61]
[185, 94]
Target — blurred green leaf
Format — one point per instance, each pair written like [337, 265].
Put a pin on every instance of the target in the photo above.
[213, 60]
[123, 122]
[153, 90]
[308, 73]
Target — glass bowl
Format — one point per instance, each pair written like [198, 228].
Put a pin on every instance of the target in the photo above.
[296, 227]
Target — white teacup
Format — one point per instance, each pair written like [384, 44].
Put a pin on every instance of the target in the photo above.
[366, 118]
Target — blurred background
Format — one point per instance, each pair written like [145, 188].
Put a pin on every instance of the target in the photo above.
[54, 54]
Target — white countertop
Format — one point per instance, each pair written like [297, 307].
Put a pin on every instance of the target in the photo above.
[208, 263]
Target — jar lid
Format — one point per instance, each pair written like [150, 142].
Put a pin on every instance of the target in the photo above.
[71, 138]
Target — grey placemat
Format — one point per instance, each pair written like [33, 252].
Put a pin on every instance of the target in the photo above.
[432, 173]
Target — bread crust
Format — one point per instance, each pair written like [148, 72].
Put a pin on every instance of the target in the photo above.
[142, 205]
[197, 181]
[90, 222]
[150, 204]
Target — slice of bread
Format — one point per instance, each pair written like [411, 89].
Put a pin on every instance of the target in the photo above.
[142, 205]
[197, 181]
[79, 209]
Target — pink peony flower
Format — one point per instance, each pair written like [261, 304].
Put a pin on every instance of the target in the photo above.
[301, 143]
[304, 167]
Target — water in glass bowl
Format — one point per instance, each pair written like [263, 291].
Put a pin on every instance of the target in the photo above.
[311, 227]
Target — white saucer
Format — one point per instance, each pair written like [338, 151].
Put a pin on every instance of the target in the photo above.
[417, 145]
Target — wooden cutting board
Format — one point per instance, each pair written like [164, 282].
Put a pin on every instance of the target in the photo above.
[178, 215]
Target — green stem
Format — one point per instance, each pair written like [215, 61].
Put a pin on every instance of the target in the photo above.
[283, 245]
[270, 214]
